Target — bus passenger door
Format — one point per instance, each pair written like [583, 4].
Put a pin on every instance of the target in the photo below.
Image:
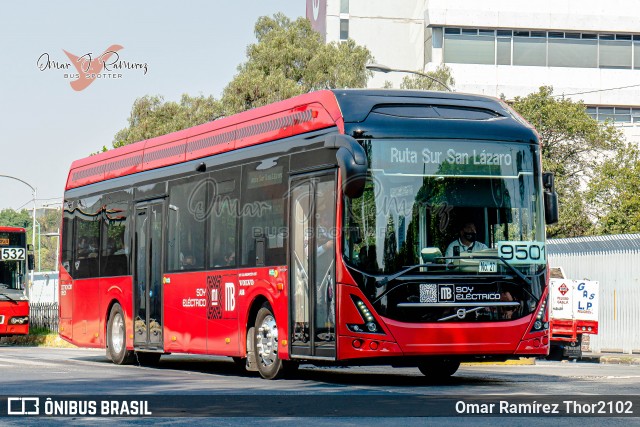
[312, 269]
[147, 283]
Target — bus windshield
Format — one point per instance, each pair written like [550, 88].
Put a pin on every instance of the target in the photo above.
[421, 194]
[12, 261]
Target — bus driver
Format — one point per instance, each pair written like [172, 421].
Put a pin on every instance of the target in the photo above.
[467, 242]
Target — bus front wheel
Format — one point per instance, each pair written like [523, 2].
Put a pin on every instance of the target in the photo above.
[117, 338]
[439, 369]
[266, 345]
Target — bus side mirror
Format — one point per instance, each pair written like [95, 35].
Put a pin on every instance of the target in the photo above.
[551, 214]
[31, 262]
[352, 161]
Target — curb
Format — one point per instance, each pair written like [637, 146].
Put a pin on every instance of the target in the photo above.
[51, 340]
[612, 359]
[620, 360]
[520, 361]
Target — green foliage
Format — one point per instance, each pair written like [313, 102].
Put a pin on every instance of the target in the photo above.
[614, 193]
[442, 74]
[40, 331]
[573, 146]
[49, 220]
[11, 218]
[151, 117]
[288, 59]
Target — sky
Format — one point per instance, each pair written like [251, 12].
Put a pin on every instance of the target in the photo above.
[189, 47]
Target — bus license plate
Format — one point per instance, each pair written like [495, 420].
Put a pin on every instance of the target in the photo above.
[488, 267]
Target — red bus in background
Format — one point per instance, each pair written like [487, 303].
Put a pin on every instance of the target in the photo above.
[315, 230]
[14, 266]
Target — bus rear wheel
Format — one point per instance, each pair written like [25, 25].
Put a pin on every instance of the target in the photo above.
[117, 338]
[439, 369]
[266, 345]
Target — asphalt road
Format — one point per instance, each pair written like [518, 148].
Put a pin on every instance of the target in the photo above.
[51, 371]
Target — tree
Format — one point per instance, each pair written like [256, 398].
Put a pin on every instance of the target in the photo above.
[49, 220]
[573, 146]
[419, 82]
[151, 116]
[11, 218]
[440, 74]
[614, 193]
[289, 59]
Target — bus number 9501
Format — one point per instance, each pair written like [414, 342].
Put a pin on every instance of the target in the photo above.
[522, 252]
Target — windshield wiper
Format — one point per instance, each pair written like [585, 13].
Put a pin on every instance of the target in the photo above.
[385, 279]
[443, 268]
[504, 261]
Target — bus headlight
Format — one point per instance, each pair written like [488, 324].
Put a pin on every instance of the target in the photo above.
[370, 325]
[22, 320]
[537, 325]
[541, 322]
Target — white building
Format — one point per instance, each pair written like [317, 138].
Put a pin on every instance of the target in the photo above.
[586, 49]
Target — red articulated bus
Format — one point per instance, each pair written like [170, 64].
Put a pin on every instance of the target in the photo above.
[315, 230]
[14, 304]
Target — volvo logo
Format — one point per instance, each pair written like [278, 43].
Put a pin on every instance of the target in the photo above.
[461, 313]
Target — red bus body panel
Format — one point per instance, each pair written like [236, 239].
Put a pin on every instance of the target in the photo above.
[197, 322]
[8, 310]
[507, 338]
[304, 113]
[12, 230]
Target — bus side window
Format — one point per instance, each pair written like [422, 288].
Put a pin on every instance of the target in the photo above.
[67, 244]
[223, 218]
[87, 237]
[263, 212]
[114, 248]
[187, 219]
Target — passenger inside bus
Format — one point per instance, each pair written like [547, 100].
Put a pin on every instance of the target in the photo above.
[230, 258]
[187, 262]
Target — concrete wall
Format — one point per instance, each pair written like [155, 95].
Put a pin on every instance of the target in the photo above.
[392, 30]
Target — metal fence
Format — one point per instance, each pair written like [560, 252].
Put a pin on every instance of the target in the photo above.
[44, 287]
[614, 261]
[44, 315]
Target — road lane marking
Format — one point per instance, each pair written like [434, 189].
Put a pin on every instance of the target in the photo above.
[17, 361]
